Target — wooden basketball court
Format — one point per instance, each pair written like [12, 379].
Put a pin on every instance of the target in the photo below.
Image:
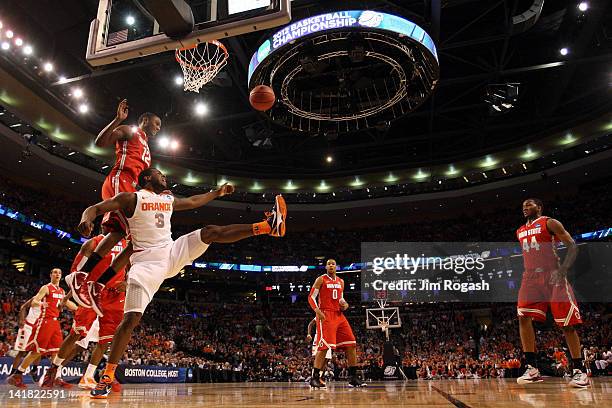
[553, 392]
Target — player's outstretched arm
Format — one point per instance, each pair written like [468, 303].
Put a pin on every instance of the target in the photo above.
[561, 233]
[196, 201]
[114, 131]
[122, 201]
[37, 299]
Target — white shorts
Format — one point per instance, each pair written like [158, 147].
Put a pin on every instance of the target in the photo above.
[92, 335]
[23, 335]
[150, 267]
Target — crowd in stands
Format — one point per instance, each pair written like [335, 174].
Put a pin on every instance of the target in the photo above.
[252, 341]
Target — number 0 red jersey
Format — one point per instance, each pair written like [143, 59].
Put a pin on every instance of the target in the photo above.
[132, 156]
[538, 246]
[330, 293]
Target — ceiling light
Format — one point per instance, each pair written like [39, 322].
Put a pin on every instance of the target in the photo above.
[164, 142]
[62, 79]
[178, 80]
[201, 109]
[18, 42]
[6, 46]
[563, 51]
[27, 50]
[83, 108]
[329, 159]
[174, 145]
[583, 6]
[9, 34]
[48, 67]
[130, 20]
[77, 93]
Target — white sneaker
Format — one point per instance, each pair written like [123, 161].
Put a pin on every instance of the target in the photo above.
[579, 379]
[532, 375]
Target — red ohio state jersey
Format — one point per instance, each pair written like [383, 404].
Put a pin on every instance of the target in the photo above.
[49, 307]
[132, 156]
[538, 246]
[330, 293]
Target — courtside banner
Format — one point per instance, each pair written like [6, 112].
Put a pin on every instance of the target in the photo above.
[485, 272]
[72, 373]
[150, 374]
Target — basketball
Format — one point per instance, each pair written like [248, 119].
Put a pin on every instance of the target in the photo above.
[262, 98]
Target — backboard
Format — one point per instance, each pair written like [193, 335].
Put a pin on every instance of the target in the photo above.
[124, 29]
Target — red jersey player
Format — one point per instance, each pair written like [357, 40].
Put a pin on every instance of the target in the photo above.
[132, 155]
[112, 304]
[47, 336]
[545, 285]
[333, 330]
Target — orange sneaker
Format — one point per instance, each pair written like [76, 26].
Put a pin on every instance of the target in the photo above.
[87, 383]
[277, 218]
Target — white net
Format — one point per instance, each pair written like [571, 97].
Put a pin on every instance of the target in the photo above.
[201, 63]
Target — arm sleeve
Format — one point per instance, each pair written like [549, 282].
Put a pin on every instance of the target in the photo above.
[312, 298]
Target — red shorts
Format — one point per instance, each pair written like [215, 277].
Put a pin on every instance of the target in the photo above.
[334, 332]
[46, 337]
[114, 184]
[537, 294]
[112, 305]
[83, 319]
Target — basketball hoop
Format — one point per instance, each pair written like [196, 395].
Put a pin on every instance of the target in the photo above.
[201, 63]
[381, 298]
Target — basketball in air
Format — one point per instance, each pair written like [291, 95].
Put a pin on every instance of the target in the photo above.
[262, 98]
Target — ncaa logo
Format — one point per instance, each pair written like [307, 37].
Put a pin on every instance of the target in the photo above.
[370, 18]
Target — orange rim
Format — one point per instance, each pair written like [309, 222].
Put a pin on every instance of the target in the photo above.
[179, 59]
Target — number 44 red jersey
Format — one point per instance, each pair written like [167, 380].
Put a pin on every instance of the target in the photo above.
[538, 246]
[330, 293]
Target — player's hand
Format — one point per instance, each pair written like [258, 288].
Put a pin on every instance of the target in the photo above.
[225, 189]
[320, 315]
[343, 304]
[557, 277]
[122, 110]
[308, 338]
[85, 228]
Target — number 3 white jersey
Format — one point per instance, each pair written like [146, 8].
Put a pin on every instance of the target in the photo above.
[150, 224]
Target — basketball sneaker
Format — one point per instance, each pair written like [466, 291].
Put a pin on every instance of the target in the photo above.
[532, 375]
[355, 382]
[579, 379]
[103, 388]
[317, 383]
[87, 383]
[34, 374]
[277, 217]
[95, 295]
[77, 282]
[16, 380]
[59, 382]
[49, 379]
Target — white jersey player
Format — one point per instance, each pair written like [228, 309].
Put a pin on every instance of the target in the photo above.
[156, 256]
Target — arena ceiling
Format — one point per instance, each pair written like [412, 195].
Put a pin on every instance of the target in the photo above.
[455, 128]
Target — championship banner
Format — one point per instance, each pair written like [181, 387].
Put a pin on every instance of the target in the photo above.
[72, 373]
[150, 374]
